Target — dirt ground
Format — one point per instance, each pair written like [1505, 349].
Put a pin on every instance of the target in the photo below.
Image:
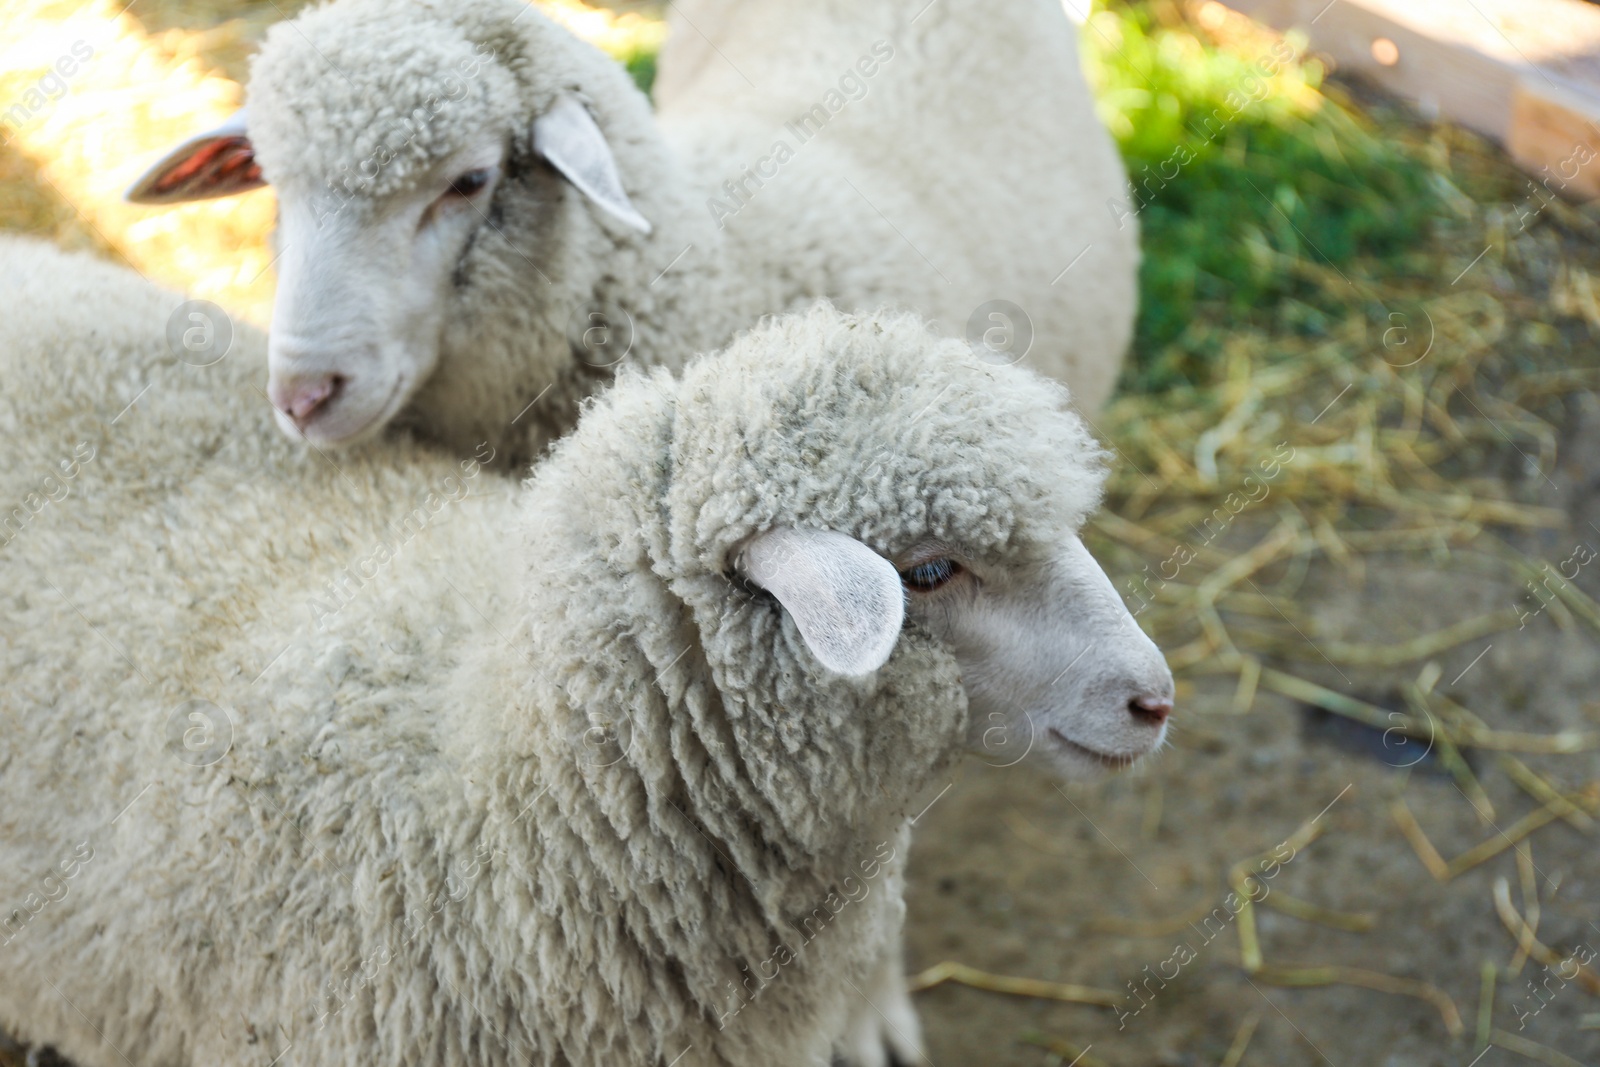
[1105, 884]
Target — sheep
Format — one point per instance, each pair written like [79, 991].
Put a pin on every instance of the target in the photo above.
[495, 345]
[612, 768]
[480, 218]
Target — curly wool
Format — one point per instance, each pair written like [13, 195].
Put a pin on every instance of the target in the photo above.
[426, 81]
[364, 96]
[914, 197]
[549, 785]
[961, 170]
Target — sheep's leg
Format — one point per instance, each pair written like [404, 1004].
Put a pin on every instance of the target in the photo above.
[883, 1030]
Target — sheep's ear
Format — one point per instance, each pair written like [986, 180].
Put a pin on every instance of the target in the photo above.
[218, 162]
[568, 138]
[845, 599]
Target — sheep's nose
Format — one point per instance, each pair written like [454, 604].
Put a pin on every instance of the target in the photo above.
[300, 398]
[1152, 711]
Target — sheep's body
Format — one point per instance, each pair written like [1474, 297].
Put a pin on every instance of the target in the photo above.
[972, 170]
[967, 167]
[193, 538]
[414, 848]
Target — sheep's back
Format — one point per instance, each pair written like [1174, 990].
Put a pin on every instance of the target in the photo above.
[971, 167]
[210, 674]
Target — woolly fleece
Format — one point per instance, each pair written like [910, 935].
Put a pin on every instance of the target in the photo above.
[973, 169]
[549, 785]
[330, 94]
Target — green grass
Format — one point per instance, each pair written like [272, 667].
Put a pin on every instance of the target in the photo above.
[641, 65]
[1241, 166]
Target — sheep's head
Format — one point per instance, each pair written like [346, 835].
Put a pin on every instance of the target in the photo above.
[901, 499]
[391, 133]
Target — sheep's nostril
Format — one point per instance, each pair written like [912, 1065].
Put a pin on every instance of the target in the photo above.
[301, 399]
[1151, 710]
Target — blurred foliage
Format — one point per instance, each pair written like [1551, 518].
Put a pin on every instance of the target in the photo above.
[632, 33]
[642, 65]
[1240, 156]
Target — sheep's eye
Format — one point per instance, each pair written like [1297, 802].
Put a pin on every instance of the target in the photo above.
[931, 575]
[471, 183]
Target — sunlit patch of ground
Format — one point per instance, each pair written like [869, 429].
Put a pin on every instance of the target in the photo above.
[91, 94]
[91, 98]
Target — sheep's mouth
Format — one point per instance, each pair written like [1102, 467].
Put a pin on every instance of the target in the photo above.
[340, 436]
[1111, 761]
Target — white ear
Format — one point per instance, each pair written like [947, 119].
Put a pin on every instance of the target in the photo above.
[845, 599]
[218, 162]
[567, 136]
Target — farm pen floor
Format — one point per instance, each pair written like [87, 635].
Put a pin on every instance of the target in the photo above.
[1403, 591]
[1110, 885]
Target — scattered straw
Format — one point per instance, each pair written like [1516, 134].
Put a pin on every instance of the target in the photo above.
[1535, 786]
[961, 974]
[1419, 841]
[1245, 921]
[1075, 1055]
[1486, 985]
[1249, 679]
[1519, 928]
[1383, 983]
[1338, 703]
[1449, 753]
[1516, 832]
[1252, 961]
[1588, 801]
[1527, 875]
[1156, 928]
[1241, 1039]
[1354, 922]
[1532, 1050]
[1240, 874]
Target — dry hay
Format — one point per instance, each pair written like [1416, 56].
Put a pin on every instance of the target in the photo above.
[1399, 418]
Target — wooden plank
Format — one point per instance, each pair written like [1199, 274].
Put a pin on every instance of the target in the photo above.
[1524, 72]
[1440, 76]
[1555, 135]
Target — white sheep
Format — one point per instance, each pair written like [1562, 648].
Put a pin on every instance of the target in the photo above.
[943, 156]
[480, 218]
[613, 769]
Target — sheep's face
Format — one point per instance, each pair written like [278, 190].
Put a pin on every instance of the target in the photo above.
[399, 139]
[902, 499]
[384, 135]
[363, 290]
[1053, 665]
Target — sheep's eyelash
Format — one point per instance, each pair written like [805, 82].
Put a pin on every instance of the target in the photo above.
[929, 552]
[964, 586]
[961, 555]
